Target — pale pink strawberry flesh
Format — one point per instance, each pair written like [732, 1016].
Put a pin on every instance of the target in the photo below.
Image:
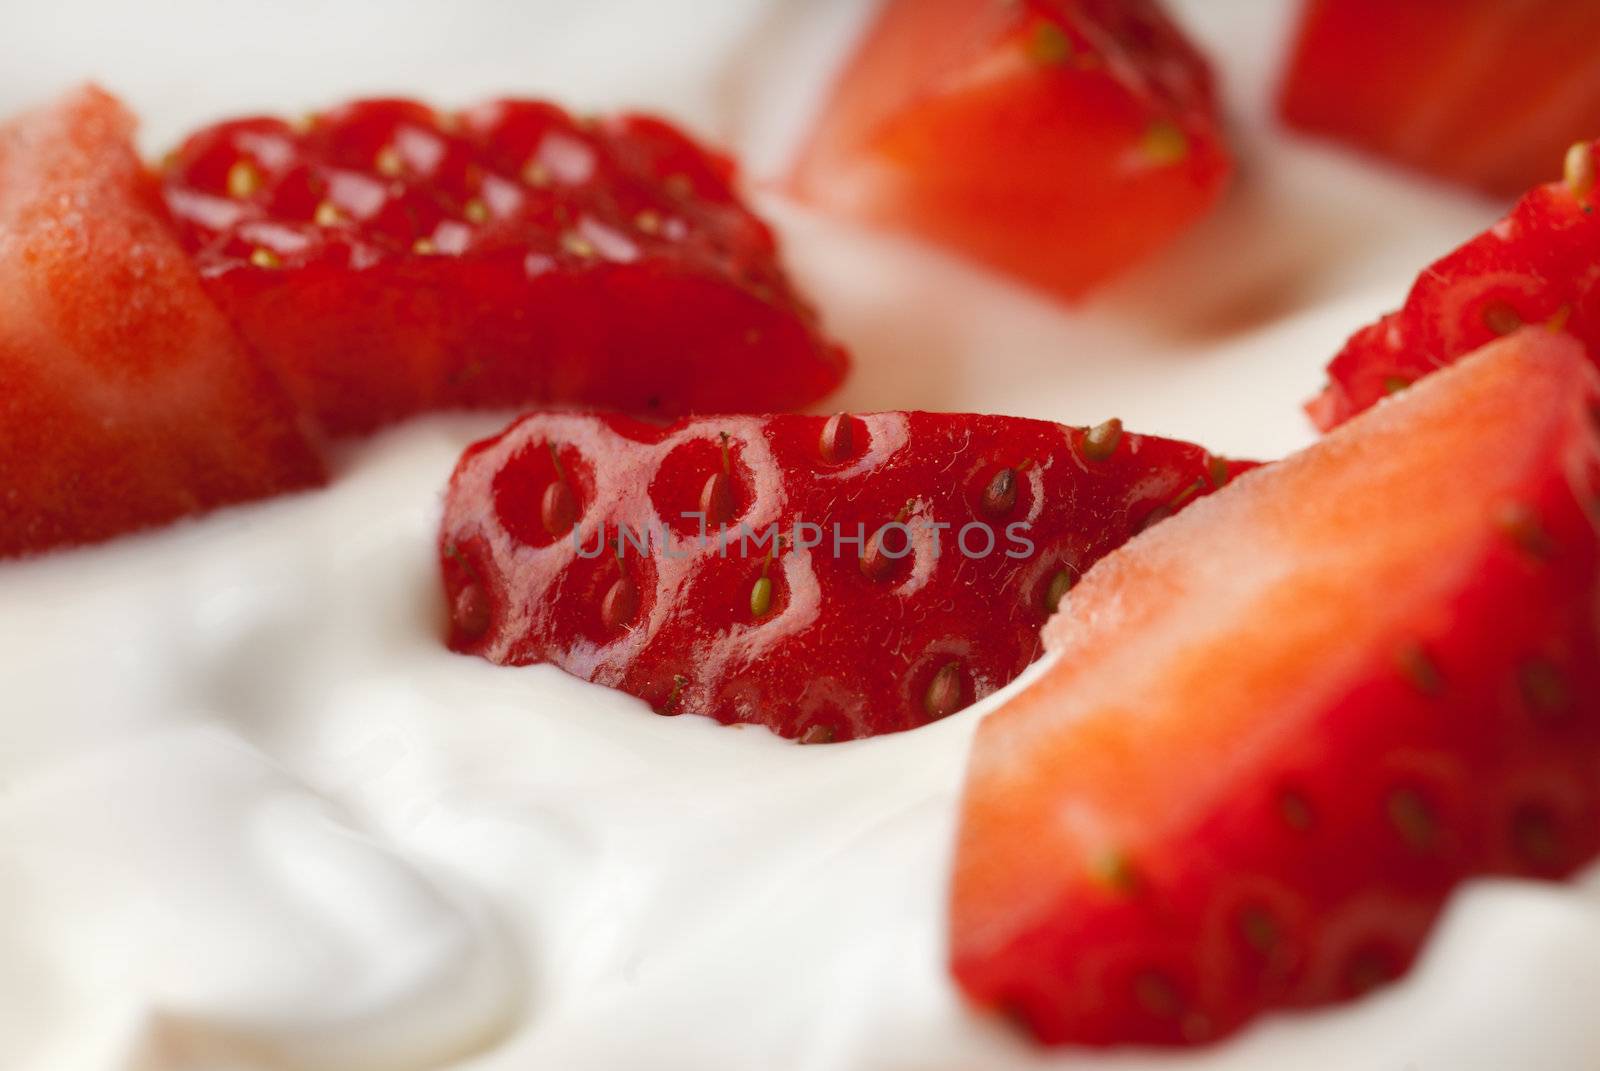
[125, 398]
[1284, 725]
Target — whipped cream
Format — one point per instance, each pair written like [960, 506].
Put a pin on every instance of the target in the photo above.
[255, 817]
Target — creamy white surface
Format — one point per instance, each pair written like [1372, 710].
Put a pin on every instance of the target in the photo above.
[254, 816]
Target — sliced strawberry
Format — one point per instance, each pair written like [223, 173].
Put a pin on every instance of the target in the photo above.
[1541, 264]
[884, 629]
[391, 259]
[1482, 92]
[125, 399]
[1059, 140]
[1284, 726]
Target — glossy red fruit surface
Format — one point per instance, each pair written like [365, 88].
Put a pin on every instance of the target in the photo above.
[1538, 265]
[392, 259]
[870, 620]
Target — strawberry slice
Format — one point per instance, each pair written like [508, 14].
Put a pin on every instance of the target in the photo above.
[1058, 140]
[1482, 92]
[1540, 264]
[391, 259]
[565, 541]
[127, 401]
[1284, 726]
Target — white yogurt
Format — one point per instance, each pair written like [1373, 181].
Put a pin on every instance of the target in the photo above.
[254, 816]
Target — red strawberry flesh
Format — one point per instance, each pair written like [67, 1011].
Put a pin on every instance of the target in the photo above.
[828, 641]
[391, 259]
[1058, 140]
[1285, 725]
[1482, 92]
[1540, 264]
[127, 399]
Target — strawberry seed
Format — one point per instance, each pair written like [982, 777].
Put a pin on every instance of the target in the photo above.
[943, 696]
[1001, 494]
[558, 509]
[1100, 441]
[837, 441]
[621, 602]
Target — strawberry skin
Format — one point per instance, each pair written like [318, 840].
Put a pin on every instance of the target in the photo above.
[1486, 93]
[1058, 140]
[125, 398]
[391, 259]
[825, 642]
[1540, 264]
[1284, 726]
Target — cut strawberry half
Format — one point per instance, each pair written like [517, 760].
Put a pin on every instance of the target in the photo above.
[125, 398]
[1481, 92]
[1540, 264]
[391, 259]
[568, 540]
[1058, 140]
[1282, 727]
